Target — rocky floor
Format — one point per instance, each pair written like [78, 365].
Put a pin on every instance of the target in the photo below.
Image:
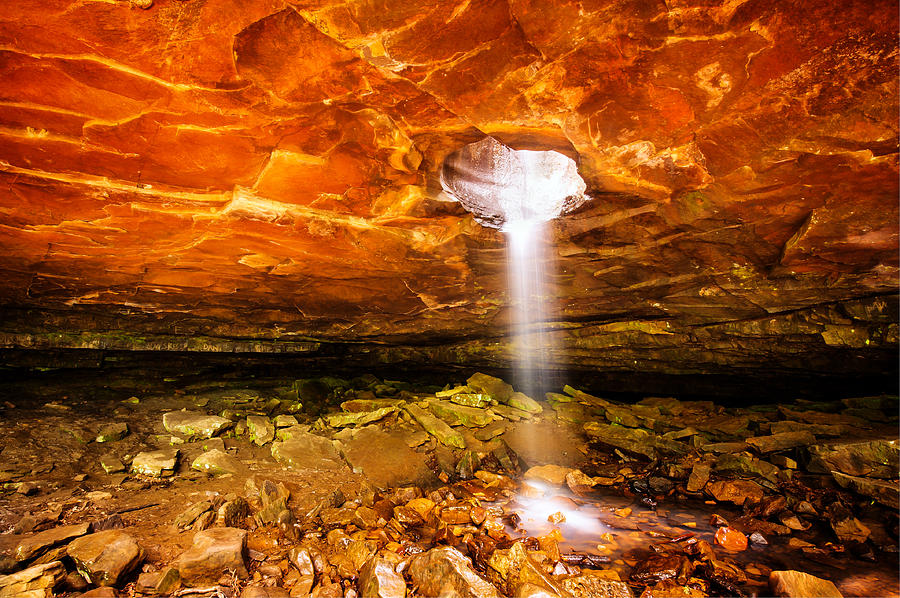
[336, 487]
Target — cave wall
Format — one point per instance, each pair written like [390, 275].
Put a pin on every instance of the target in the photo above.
[262, 176]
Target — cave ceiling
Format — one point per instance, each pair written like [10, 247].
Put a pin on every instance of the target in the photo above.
[209, 172]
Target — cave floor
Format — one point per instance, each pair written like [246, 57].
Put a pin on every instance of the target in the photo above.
[341, 485]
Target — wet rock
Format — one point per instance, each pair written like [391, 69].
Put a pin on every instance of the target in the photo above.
[552, 474]
[593, 586]
[726, 575]
[307, 451]
[460, 415]
[366, 451]
[662, 567]
[112, 432]
[261, 429]
[468, 464]
[216, 462]
[300, 558]
[495, 387]
[436, 427]
[34, 582]
[523, 402]
[671, 589]
[731, 539]
[358, 418]
[781, 442]
[885, 492]
[698, 478]
[104, 558]
[194, 424]
[28, 548]
[877, 458]
[111, 463]
[213, 552]
[796, 584]
[155, 464]
[846, 527]
[735, 491]
[378, 579]
[445, 571]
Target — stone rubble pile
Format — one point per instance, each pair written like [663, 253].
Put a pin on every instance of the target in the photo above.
[443, 495]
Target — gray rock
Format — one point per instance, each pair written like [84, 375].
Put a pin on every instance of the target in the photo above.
[194, 424]
[216, 462]
[104, 558]
[444, 571]
[262, 431]
[796, 584]
[28, 548]
[157, 464]
[214, 551]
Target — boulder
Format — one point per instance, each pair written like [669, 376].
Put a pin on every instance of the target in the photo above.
[796, 584]
[378, 579]
[876, 458]
[736, 491]
[216, 462]
[156, 464]
[523, 402]
[445, 571]
[884, 491]
[194, 424]
[365, 453]
[495, 387]
[214, 551]
[261, 429]
[104, 558]
[307, 451]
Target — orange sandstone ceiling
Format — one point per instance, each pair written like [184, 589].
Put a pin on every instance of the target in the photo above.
[198, 173]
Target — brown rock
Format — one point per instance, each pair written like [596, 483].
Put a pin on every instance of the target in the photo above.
[213, 552]
[33, 546]
[104, 558]
[378, 579]
[445, 570]
[662, 568]
[736, 491]
[796, 584]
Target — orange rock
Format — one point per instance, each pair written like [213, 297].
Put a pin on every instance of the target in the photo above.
[731, 539]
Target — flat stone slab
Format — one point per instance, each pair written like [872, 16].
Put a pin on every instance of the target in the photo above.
[104, 558]
[34, 581]
[28, 548]
[112, 432]
[461, 415]
[307, 451]
[358, 418]
[796, 584]
[195, 424]
[781, 441]
[436, 427]
[217, 462]
[156, 464]
[214, 552]
[366, 451]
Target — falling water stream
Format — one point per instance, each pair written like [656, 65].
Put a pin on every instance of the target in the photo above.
[527, 272]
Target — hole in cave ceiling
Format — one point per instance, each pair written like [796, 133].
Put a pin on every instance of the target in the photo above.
[502, 186]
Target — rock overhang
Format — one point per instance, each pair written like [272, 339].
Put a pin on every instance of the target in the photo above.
[271, 173]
